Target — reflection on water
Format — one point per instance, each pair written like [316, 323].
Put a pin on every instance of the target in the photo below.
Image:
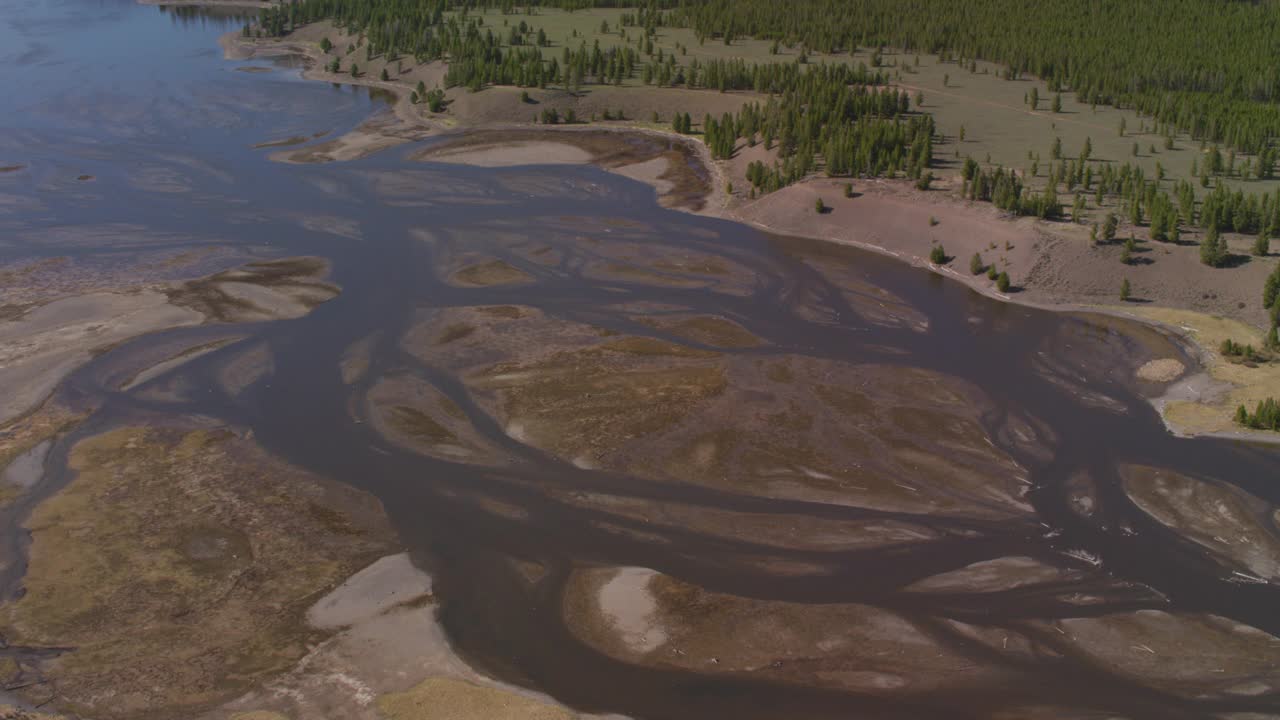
[659, 464]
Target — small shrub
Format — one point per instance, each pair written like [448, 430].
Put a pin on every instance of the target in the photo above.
[1124, 290]
[1002, 282]
[819, 207]
[976, 266]
[933, 221]
[937, 255]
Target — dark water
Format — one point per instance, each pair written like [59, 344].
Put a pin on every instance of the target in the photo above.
[141, 100]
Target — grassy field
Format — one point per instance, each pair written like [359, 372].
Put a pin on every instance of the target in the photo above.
[999, 126]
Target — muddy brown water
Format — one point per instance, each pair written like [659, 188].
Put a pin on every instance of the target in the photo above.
[141, 100]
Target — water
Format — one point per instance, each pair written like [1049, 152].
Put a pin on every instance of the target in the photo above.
[141, 100]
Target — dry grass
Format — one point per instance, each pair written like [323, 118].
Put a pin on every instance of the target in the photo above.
[1250, 384]
[178, 566]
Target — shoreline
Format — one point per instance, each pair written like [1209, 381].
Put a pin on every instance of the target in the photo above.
[724, 203]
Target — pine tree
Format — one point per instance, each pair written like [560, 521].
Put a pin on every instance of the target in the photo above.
[976, 266]
[1262, 245]
[1124, 290]
[1002, 282]
[1271, 290]
[1212, 248]
[1109, 228]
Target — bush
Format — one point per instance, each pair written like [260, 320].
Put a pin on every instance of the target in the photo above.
[1002, 282]
[435, 100]
[933, 221]
[937, 255]
[976, 266]
[1124, 290]
[819, 207]
[848, 190]
[992, 273]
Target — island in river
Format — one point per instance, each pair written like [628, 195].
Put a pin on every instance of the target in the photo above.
[455, 431]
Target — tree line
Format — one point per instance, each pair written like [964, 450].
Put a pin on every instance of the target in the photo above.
[1210, 68]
